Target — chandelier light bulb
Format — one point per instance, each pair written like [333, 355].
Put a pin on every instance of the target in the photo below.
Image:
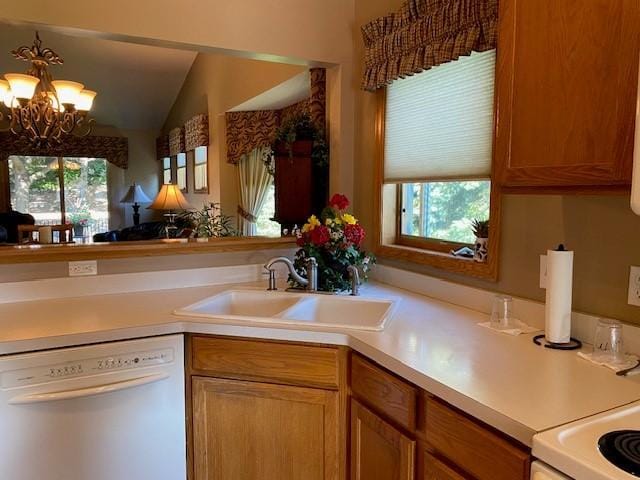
[9, 100]
[85, 100]
[4, 88]
[68, 92]
[22, 86]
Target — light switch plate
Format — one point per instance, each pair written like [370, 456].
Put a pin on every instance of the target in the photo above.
[543, 271]
[634, 286]
[83, 269]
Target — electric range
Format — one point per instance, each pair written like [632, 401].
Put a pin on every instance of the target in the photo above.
[601, 447]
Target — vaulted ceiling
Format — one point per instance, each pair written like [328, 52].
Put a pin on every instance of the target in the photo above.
[136, 84]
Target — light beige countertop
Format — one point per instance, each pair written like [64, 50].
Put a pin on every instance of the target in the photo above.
[508, 382]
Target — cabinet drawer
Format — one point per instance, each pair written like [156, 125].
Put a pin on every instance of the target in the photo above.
[472, 446]
[434, 469]
[265, 361]
[384, 392]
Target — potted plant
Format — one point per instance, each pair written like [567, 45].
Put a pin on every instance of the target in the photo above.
[209, 222]
[79, 220]
[480, 247]
[334, 239]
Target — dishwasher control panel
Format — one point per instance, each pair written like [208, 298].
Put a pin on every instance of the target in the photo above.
[84, 367]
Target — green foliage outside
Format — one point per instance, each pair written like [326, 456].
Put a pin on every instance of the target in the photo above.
[445, 210]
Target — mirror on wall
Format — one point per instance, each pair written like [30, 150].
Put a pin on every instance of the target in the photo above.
[182, 144]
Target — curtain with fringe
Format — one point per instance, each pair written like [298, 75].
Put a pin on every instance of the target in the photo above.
[424, 34]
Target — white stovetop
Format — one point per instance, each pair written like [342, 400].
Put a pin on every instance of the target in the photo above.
[508, 382]
[573, 449]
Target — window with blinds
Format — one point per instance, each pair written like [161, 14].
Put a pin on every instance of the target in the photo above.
[439, 123]
[438, 149]
[181, 171]
[200, 180]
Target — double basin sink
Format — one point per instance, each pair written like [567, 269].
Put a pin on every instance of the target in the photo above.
[292, 308]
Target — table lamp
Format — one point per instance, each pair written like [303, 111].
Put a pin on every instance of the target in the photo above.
[135, 195]
[170, 199]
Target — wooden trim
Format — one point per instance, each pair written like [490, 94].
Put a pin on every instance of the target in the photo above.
[433, 244]
[151, 248]
[433, 255]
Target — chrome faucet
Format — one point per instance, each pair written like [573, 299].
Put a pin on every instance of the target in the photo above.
[310, 283]
[354, 274]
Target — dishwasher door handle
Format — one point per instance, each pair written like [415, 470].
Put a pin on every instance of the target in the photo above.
[88, 391]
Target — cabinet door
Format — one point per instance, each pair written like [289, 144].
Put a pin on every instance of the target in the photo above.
[378, 450]
[434, 469]
[566, 86]
[256, 431]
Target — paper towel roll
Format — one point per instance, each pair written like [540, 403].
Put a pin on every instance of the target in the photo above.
[559, 292]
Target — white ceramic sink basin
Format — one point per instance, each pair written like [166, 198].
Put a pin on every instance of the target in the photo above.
[286, 308]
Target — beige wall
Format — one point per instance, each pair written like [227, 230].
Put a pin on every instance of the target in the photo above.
[215, 84]
[303, 31]
[143, 169]
[601, 229]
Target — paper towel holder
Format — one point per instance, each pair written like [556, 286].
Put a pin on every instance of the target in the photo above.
[541, 339]
[572, 344]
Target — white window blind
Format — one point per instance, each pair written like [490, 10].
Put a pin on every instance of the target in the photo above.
[439, 123]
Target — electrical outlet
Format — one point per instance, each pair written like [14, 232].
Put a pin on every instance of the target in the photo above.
[82, 269]
[634, 286]
[543, 271]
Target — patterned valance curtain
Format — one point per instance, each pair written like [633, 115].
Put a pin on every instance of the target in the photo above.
[294, 110]
[247, 131]
[318, 97]
[196, 132]
[115, 150]
[176, 141]
[162, 147]
[424, 34]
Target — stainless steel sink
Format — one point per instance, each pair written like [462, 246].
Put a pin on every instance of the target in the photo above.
[287, 308]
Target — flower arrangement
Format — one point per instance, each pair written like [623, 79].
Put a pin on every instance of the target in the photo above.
[209, 222]
[334, 240]
[79, 218]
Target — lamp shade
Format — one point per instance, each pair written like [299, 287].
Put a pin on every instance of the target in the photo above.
[170, 198]
[85, 100]
[67, 92]
[22, 86]
[135, 194]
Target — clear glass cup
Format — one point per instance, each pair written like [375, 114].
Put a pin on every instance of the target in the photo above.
[607, 342]
[502, 312]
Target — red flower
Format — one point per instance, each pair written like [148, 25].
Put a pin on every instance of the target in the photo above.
[354, 234]
[301, 240]
[320, 235]
[339, 201]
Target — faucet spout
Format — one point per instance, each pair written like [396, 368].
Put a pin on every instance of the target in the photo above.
[310, 283]
[355, 279]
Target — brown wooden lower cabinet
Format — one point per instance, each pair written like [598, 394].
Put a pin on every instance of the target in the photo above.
[379, 451]
[259, 431]
[266, 410]
[434, 469]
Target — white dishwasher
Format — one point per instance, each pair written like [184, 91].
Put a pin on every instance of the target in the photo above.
[113, 411]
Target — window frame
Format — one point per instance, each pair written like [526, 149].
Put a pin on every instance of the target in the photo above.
[170, 170]
[421, 250]
[205, 163]
[186, 172]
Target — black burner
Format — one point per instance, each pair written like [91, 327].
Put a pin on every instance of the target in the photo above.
[622, 448]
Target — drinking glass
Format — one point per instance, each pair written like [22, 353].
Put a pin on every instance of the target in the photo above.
[607, 342]
[502, 312]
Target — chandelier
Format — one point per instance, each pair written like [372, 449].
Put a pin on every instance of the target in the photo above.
[40, 108]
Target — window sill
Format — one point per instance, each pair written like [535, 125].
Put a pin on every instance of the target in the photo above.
[440, 260]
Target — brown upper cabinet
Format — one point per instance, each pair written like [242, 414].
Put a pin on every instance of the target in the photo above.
[566, 94]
